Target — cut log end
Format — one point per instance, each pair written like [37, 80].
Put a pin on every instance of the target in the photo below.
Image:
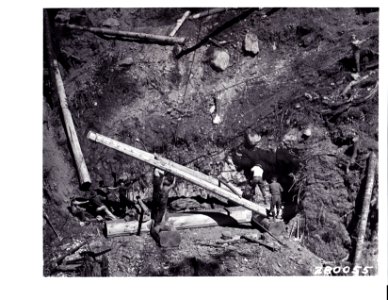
[92, 136]
[85, 186]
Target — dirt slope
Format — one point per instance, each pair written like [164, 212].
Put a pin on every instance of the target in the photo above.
[161, 104]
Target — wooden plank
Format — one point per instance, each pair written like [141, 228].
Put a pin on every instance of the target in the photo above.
[231, 217]
[165, 166]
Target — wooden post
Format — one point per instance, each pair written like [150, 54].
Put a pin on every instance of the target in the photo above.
[82, 169]
[232, 217]
[372, 165]
[128, 34]
[179, 23]
[166, 166]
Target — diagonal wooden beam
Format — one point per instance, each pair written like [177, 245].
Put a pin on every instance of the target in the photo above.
[165, 165]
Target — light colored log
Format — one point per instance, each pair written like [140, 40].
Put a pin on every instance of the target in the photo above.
[215, 181]
[82, 169]
[165, 166]
[231, 187]
[136, 35]
[179, 23]
[184, 221]
[208, 12]
[370, 179]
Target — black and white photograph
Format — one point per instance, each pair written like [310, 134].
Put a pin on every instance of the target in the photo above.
[210, 141]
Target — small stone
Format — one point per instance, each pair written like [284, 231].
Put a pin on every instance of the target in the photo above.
[226, 235]
[254, 236]
[111, 22]
[355, 76]
[308, 96]
[126, 62]
[251, 43]
[216, 119]
[220, 60]
[307, 132]
[308, 39]
[298, 106]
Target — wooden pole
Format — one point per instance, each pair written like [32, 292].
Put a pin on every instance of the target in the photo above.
[218, 182]
[179, 23]
[82, 169]
[52, 226]
[218, 30]
[165, 166]
[136, 35]
[233, 216]
[208, 12]
[372, 165]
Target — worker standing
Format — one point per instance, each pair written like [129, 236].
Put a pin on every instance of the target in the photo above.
[276, 200]
[356, 46]
[250, 161]
[162, 184]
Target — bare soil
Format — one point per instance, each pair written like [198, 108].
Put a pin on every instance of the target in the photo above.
[161, 104]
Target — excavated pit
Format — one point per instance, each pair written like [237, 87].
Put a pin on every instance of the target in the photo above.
[142, 95]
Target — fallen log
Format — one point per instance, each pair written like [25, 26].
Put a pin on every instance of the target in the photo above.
[233, 217]
[371, 171]
[82, 169]
[128, 34]
[166, 166]
[179, 23]
[67, 268]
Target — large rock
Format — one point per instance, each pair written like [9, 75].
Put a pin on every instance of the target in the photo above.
[111, 23]
[251, 44]
[220, 60]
